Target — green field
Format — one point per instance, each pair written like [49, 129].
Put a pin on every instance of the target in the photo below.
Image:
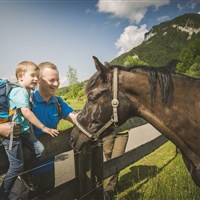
[76, 105]
[161, 175]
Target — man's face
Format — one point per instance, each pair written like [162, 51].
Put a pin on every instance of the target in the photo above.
[49, 81]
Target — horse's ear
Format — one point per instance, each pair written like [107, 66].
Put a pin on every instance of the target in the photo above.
[99, 66]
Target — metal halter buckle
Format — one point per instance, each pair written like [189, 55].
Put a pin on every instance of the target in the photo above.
[115, 103]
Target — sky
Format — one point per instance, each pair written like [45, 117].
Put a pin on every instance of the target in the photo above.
[70, 32]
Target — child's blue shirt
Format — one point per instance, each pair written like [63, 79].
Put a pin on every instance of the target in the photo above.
[19, 98]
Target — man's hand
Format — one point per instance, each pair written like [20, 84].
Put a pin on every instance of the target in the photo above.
[6, 128]
[50, 131]
[16, 130]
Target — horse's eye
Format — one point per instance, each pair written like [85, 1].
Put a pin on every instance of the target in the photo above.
[91, 98]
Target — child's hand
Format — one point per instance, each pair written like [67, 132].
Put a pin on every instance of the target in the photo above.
[50, 131]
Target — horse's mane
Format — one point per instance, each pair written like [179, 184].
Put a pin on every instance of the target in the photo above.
[155, 75]
[152, 68]
[92, 81]
[164, 78]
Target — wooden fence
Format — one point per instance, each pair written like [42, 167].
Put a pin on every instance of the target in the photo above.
[90, 169]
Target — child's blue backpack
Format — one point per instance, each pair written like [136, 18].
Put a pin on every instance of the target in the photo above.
[5, 88]
[5, 112]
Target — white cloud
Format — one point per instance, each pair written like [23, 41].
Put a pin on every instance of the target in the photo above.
[117, 24]
[192, 4]
[130, 38]
[89, 11]
[129, 9]
[198, 13]
[163, 18]
[179, 7]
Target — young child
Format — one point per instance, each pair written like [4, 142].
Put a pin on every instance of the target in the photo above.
[27, 74]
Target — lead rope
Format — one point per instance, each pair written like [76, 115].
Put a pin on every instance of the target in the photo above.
[11, 130]
[81, 128]
[31, 102]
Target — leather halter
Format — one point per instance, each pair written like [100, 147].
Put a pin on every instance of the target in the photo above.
[114, 117]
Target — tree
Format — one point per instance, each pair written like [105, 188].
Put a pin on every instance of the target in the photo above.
[72, 79]
[133, 60]
[194, 70]
[72, 75]
[188, 58]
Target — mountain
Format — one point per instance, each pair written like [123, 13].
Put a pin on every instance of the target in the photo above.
[163, 43]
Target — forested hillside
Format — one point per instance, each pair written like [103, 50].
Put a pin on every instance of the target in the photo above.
[164, 42]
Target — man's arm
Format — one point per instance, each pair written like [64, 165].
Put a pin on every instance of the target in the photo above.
[30, 116]
[72, 117]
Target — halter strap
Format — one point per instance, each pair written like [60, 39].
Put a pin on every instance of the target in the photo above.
[115, 101]
[114, 118]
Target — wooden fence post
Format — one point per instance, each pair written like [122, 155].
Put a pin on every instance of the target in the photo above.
[97, 170]
[83, 162]
[89, 172]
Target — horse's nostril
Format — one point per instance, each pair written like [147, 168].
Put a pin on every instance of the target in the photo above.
[71, 139]
[72, 142]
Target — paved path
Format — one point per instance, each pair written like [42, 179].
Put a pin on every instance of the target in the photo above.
[65, 162]
[141, 135]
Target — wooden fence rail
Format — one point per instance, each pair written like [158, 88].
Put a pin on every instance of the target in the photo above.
[90, 169]
[53, 147]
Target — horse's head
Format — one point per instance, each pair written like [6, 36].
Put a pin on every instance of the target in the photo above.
[105, 107]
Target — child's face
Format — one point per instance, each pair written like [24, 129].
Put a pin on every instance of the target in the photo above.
[29, 79]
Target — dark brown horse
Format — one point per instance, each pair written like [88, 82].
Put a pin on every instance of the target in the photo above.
[168, 101]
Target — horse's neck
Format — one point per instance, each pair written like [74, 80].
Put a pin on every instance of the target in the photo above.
[136, 87]
[179, 122]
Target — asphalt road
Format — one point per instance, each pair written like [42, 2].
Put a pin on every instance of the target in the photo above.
[64, 164]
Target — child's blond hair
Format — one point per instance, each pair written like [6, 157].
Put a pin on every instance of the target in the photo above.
[25, 66]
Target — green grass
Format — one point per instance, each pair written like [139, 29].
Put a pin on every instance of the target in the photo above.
[64, 124]
[76, 105]
[161, 175]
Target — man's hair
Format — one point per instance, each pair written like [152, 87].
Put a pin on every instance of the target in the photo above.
[45, 65]
[25, 66]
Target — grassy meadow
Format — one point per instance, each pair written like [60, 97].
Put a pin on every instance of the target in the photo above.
[162, 175]
[76, 105]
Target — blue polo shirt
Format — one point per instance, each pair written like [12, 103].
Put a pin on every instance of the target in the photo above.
[47, 113]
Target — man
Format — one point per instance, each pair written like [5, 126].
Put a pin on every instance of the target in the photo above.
[45, 108]
[114, 145]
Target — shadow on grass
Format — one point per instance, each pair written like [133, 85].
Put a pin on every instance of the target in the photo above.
[139, 174]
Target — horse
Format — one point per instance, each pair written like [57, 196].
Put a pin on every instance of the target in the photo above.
[167, 100]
